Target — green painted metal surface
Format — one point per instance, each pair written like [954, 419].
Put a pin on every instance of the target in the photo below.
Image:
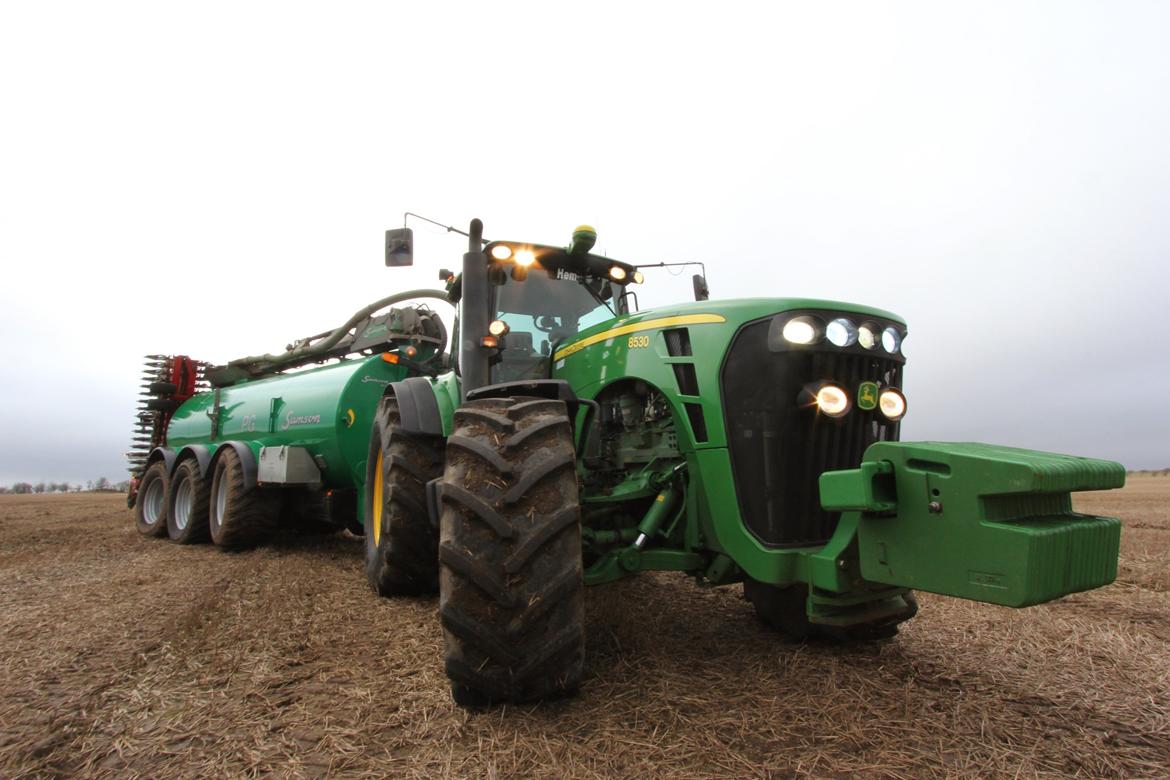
[328, 410]
[977, 521]
[612, 353]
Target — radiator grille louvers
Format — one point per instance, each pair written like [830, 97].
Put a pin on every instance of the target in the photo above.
[779, 449]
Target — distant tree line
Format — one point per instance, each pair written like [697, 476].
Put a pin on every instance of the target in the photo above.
[1153, 472]
[101, 484]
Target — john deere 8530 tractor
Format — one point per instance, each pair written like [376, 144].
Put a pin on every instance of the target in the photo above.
[567, 439]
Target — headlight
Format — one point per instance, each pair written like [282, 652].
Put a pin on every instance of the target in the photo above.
[832, 400]
[801, 330]
[867, 336]
[525, 257]
[498, 328]
[501, 251]
[891, 340]
[617, 273]
[841, 332]
[892, 404]
[638, 277]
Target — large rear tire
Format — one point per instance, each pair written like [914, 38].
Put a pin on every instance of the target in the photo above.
[238, 517]
[187, 504]
[150, 507]
[401, 543]
[511, 580]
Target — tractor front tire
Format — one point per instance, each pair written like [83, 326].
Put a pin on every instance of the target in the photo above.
[784, 608]
[401, 543]
[150, 506]
[238, 517]
[510, 573]
[188, 501]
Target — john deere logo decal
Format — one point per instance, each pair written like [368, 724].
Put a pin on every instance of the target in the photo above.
[867, 395]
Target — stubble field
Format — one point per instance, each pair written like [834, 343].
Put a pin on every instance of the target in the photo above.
[122, 656]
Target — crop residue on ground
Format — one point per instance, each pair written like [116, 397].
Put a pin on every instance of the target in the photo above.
[123, 656]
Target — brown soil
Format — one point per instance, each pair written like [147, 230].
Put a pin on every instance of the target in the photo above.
[122, 656]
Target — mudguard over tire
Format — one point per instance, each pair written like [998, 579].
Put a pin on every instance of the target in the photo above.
[401, 543]
[238, 517]
[188, 500]
[511, 579]
[150, 508]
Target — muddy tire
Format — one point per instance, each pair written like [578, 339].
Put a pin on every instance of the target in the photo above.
[150, 507]
[784, 609]
[401, 543]
[511, 583]
[238, 517]
[188, 500]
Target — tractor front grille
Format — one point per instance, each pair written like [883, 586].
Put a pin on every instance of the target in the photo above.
[779, 446]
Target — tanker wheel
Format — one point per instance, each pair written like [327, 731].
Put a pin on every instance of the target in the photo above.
[188, 503]
[238, 517]
[150, 508]
[784, 609]
[401, 544]
[510, 574]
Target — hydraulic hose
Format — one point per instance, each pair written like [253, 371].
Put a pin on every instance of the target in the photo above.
[337, 334]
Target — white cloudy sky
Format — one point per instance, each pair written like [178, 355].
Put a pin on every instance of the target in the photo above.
[214, 179]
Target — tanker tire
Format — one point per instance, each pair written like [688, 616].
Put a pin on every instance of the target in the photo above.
[401, 554]
[237, 517]
[150, 506]
[188, 500]
[510, 572]
[784, 609]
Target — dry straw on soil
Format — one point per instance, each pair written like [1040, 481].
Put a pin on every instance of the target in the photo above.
[122, 656]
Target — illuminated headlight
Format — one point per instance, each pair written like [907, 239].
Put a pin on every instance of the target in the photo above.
[867, 336]
[638, 277]
[501, 251]
[498, 328]
[893, 404]
[891, 340]
[801, 330]
[617, 273]
[524, 257]
[841, 332]
[832, 400]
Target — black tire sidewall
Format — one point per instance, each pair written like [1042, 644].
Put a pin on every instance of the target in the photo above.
[196, 528]
[215, 523]
[156, 472]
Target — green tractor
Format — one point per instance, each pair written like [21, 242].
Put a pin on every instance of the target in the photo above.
[567, 439]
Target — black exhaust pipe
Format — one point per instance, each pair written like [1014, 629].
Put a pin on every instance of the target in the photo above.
[473, 322]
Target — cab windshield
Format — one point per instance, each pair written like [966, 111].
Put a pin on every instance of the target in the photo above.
[544, 310]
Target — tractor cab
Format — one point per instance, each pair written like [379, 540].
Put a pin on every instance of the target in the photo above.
[543, 296]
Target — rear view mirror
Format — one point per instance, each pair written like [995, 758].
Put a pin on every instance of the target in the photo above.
[702, 292]
[399, 247]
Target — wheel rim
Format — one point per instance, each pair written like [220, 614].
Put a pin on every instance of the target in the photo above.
[219, 501]
[183, 498]
[377, 521]
[152, 502]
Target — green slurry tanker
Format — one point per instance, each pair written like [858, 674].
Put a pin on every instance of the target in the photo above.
[568, 439]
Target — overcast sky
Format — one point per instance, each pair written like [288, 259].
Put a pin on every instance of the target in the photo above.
[213, 179]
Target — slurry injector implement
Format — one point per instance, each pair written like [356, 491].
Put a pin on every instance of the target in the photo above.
[568, 439]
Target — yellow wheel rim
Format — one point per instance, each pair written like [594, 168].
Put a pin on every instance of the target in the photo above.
[378, 501]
